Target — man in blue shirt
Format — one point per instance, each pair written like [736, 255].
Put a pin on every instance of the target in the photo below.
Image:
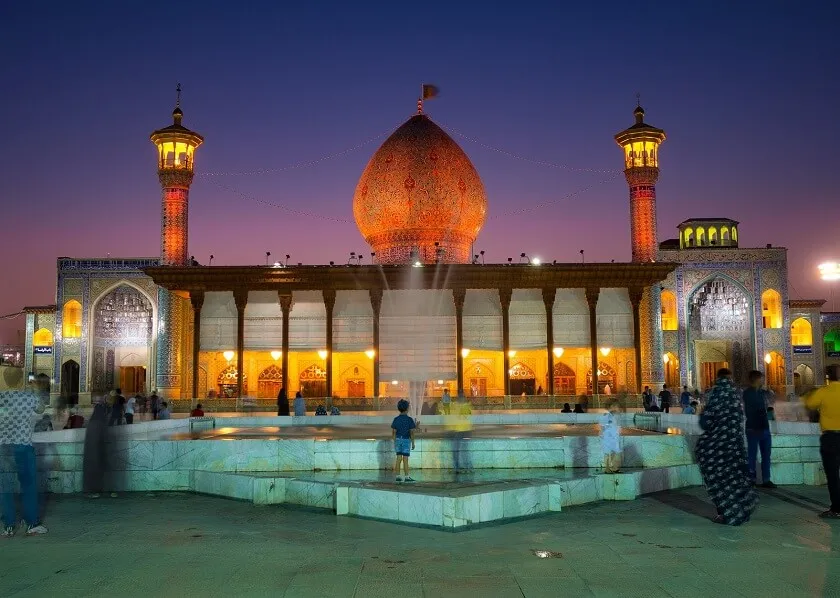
[402, 432]
[685, 398]
[758, 427]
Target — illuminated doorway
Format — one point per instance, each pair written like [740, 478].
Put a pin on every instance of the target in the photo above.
[522, 380]
[672, 370]
[133, 380]
[803, 378]
[775, 367]
[70, 379]
[313, 382]
[606, 375]
[269, 382]
[228, 382]
[564, 379]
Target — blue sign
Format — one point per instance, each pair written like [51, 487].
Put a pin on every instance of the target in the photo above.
[43, 350]
[803, 349]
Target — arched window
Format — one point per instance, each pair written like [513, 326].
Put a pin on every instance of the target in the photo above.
[800, 333]
[522, 380]
[564, 379]
[71, 319]
[228, 382]
[313, 382]
[713, 235]
[270, 381]
[734, 235]
[775, 368]
[42, 338]
[701, 236]
[771, 309]
[669, 311]
[688, 237]
[724, 235]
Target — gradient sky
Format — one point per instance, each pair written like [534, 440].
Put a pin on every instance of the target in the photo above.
[747, 93]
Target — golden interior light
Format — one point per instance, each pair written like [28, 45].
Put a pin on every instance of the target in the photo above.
[768, 358]
[511, 353]
[370, 353]
[558, 351]
[605, 351]
[322, 353]
[465, 352]
[275, 355]
[228, 355]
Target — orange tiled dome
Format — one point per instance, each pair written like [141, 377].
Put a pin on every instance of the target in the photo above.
[418, 189]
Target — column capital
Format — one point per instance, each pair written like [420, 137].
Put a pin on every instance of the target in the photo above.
[240, 297]
[505, 295]
[197, 300]
[635, 294]
[285, 301]
[459, 296]
[375, 300]
[329, 299]
[548, 295]
[592, 296]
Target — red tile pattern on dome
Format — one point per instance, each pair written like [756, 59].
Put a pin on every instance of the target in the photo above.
[418, 189]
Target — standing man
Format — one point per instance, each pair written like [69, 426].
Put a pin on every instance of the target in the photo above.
[685, 398]
[130, 406]
[826, 400]
[757, 428]
[647, 398]
[665, 399]
[16, 410]
[155, 400]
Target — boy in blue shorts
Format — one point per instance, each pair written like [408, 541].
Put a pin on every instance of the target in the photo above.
[402, 433]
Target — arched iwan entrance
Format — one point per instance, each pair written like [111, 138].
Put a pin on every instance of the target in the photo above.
[564, 380]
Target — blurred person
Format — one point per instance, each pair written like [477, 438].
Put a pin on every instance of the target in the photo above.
[197, 412]
[566, 408]
[691, 408]
[155, 401]
[445, 402]
[578, 408]
[459, 426]
[647, 398]
[76, 420]
[44, 424]
[16, 410]
[164, 412]
[757, 428]
[130, 406]
[611, 442]
[282, 402]
[665, 399]
[402, 434]
[722, 455]
[95, 461]
[117, 405]
[685, 398]
[299, 404]
[826, 402]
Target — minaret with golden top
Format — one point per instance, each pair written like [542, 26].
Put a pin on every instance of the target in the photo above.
[176, 147]
[641, 143]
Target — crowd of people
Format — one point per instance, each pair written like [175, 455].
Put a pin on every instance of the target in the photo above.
[735, 423]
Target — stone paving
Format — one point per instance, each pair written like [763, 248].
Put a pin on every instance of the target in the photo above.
[172, 544]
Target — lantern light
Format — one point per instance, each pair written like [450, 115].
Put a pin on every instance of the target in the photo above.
[228, 355]
[275, 355]
[605, 351]
[370, 353]
[558, 351]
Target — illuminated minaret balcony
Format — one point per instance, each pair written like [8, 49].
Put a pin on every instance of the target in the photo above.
[176, 147]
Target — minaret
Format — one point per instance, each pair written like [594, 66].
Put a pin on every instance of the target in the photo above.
[176, 147]
[641, 168]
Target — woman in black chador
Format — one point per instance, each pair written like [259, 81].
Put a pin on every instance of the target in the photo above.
[282, 402]
[95, 459]
[722, 455]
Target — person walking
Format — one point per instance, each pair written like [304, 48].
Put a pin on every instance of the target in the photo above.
[721, 454]
[826, 401]
[16, 410]
[117, 404]
[282, 402]
[665, 399]
[130, 406]
[757, 428]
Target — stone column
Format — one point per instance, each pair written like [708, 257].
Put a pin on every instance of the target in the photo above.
[240, 297]
[329, 305]
[592, 300]
[376, 305]
[459, 295]
[505, 296]
[650, 316]
[286, 308]
[548, 296]
[170, 330]
[636, 294]
[197, 301]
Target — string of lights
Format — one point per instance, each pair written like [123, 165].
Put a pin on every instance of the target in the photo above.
[10, 316]
[525, 159]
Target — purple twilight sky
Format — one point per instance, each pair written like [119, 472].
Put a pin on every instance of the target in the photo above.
[747, 93]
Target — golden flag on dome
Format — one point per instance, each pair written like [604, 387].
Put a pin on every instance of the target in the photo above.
[430, 91]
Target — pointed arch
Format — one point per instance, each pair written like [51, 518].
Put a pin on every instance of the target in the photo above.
[669, 310]
[565, 380]
[71, 319]
[801, 333]
[269, 382]
[42, 338]
[771, 309]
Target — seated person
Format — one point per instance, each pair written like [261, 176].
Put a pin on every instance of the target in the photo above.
[165, 412]
[75, 420]
[691, 409]
[197, 412]
[578, 408]
[44, 424]
[566, 408]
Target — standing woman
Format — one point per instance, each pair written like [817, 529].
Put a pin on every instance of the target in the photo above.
[722, 455]
[96, 458]
[282, 402]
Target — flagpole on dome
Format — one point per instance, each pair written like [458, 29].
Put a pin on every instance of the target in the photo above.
[427, 92]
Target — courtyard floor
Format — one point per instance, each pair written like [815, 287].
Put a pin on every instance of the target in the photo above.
[171, 544]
